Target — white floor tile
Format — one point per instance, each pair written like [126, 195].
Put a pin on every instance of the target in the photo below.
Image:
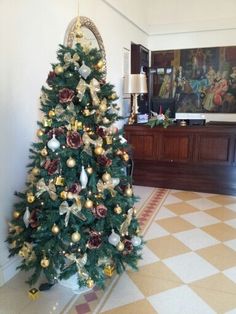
[190, 267]
[231, 312]
[231, 244]
[148, 257]
[200, 219]
[164, 213]
[231, 206]
[171, 199]
[180, 300]
[155, 231]
[231, 222]
[203, 204]
[231, 273]
[195, 239]
[124, 292]
[13, 301]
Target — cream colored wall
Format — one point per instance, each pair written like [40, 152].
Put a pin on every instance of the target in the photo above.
[180, 24]
[30, 31]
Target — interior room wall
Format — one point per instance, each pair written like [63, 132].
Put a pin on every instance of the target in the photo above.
[30, 33]
[176, 24]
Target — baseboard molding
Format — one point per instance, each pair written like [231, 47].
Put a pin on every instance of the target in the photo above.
[8, 270]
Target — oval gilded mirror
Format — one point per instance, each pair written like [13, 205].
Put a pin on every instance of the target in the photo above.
[90, 34]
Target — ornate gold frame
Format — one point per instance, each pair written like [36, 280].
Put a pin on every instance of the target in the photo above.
[87, 23]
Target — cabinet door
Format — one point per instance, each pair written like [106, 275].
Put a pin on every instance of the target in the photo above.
[176, 147]
[144, 146]
[214, 149]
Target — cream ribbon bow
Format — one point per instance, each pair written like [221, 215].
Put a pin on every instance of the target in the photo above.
[94, 87]
[42, 187]
[125, 225]
[75, 209]
[80, 262]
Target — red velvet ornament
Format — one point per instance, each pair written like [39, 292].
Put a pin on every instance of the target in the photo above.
[66, 95]
[73, 139]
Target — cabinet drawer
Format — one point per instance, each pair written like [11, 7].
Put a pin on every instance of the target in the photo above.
[175, 147]
[144, 146]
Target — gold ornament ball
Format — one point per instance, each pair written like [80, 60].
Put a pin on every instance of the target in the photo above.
[63, 195]
[89, 170]
[75, 237]
[79, 125]
[128, 192]
[106, 177]
[16, 214]
[51, 114]
[120, 246]
[59, 69]
[90, 283]
[88, 203]
[70, 162]
[40, 133]
[44, 152]
[30, 198]
[35, 171]
[99, 150]
[113, 96]
[44, 262]
[86, 112]
[125, 157]
[70, 195]
[118, 210]
[100, 64]
[55, 229]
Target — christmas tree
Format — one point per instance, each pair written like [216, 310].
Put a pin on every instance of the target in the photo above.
[77, 215]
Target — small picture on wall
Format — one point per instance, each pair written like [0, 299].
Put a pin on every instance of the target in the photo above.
[203, 79]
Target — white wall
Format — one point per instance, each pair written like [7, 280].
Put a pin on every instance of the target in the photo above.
[30, 32]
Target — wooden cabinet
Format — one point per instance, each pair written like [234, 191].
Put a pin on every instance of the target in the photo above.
[197, 158]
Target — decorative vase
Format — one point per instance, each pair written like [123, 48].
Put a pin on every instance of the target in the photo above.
[72, 283]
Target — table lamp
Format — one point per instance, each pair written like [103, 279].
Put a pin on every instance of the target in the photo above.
[135, 84]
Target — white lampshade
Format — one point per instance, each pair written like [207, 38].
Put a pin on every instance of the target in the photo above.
[135, 84]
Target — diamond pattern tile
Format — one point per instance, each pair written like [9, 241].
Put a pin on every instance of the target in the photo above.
[188, 266]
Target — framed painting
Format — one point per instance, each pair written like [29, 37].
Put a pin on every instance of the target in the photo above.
[203, 79]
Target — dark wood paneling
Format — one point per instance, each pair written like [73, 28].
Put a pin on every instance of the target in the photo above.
[197, 158]
[175, 147]
[214, 149]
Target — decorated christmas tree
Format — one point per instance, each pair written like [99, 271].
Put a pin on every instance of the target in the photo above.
[76, 214]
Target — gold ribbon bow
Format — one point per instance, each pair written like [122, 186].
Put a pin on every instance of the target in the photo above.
[101, 186]
[75, 209]
[68, 59]
[94, 87]
[88, 141]
[42, 187]
[80, 262]
[125, 225]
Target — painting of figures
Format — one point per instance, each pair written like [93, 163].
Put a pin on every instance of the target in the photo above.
[202, 79]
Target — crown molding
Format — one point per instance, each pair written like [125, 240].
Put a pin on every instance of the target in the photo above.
[125, 17]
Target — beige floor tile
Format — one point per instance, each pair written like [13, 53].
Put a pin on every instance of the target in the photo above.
[154, 278]
[221, 213]
[222, 199]
[175, 224]
[219, 255]
[218, 291]
[167, 246]
[139, 307]
[187, 195]
[221, 231]
[181, 208]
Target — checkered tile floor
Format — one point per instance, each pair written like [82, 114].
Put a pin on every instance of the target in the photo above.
[189, 264]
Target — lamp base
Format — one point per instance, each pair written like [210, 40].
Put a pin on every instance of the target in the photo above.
[132, 118]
